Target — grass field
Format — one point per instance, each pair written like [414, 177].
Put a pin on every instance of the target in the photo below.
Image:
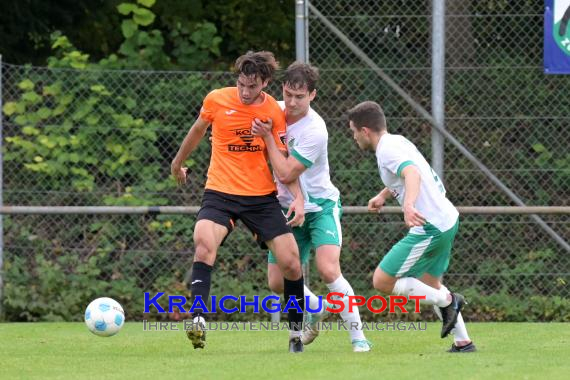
[70, 351]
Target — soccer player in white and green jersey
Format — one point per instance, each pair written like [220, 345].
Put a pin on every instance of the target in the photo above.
[307, 140]
[414, 265]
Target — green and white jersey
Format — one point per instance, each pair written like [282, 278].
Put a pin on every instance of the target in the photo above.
[307, 141]
[393, 154]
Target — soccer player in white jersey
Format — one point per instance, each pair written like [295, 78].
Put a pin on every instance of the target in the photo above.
[414, 265]
[307, 160]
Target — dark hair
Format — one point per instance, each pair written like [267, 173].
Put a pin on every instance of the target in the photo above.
[299, 75]
[367, 114]
[260, 64]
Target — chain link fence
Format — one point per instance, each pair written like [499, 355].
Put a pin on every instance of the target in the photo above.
[93, 137]
[499, 104]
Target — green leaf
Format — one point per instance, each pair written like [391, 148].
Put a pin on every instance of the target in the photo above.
[78, 65]
[62, 42]
[26, 85]
[41, 167]
[20, 107]
[128, 27]
[92, 119]
[59, 110]
[31, 97]
[124, 120]
[54, 89]
[128, 48]
[143, 16]
[92, 100]
[126, 8]
[21, 120]
[539, 148]
[146, 3]
[66, 99]
[130, 103]
[81, 112]
[9, 108]
[97, 88]
[45, 140]
[30, 131]
[74, 157]
[44, 113]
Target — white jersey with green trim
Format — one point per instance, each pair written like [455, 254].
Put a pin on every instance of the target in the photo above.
[307, 141]
[393, 154]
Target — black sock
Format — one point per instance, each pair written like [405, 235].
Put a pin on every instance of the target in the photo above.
[295, 288]
[200, 284]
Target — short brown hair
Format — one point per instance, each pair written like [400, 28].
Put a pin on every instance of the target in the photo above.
[299, 75]
[260, 64]
[368, 114]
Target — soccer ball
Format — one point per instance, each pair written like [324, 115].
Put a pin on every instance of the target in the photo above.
[104, 316]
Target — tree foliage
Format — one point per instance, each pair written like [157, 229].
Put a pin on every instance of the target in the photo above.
[97, 29]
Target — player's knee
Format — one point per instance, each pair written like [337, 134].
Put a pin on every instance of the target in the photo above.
[329, 274]
[204, 249]
[291, 269]
[381, 285]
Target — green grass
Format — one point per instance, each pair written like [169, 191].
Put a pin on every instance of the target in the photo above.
[69, 351]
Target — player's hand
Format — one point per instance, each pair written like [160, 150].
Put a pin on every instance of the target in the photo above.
[297, 207]
[412, 217]
[179, 173]
[261, 128]
[375, 204]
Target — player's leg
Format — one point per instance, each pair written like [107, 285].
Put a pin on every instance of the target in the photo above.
[326, 236]
[285, 250]
[263, 216]
[213, 225]
[208, 236]
[328, 265]
[408, 259]
[312, 329]
[461, 340]
[274, 275]
[275, 281]
[450, 303]
[439, 265]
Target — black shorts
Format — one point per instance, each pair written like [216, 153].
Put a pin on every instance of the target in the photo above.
[262, 214]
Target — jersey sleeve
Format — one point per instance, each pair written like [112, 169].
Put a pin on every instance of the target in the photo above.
[280, 131]
[209, 107]
[394, 159]
[310, 147]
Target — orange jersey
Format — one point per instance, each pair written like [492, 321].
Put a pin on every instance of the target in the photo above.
[239, 164]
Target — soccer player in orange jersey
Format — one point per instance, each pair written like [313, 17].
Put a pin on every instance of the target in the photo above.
[240, 185]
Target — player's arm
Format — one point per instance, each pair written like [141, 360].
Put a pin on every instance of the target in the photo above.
[286, 169]
[297, 206]
[412, 181]
[375, 204]
[191, 141]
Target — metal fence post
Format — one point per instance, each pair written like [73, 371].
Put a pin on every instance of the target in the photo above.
[1, 204]
[438, 84]
[301, 31]
[302, 54]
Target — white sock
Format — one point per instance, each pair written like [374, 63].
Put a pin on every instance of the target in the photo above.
[313, 299]
[294, 334]
[409, 286]
[198, 319]
[459, 331]
[352, 320]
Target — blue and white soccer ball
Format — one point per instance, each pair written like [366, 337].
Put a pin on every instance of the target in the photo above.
[104, 316]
